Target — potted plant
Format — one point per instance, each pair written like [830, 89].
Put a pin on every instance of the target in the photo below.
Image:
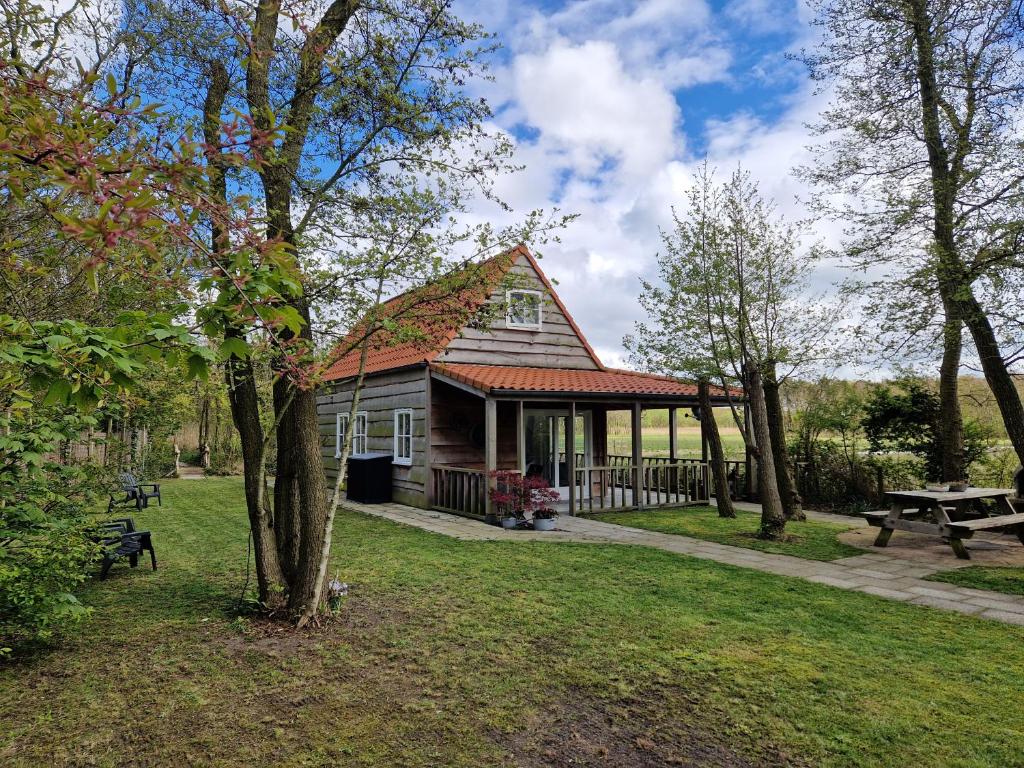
[544, 519]
[507, 498]
[514, 496]
[539, 500]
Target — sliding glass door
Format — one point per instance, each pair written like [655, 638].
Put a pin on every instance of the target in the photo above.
[544, 444]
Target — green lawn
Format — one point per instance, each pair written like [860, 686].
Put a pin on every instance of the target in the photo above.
[457, 653]
[811, 539]
[1008, 580]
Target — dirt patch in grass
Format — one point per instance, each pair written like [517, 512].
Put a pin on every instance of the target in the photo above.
[579, 729]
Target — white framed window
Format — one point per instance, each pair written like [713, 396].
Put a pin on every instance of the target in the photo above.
[358, 436]
[524, 309]
[403, 436]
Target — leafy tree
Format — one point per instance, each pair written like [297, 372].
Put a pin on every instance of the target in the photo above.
[370, 145]
[833, 408]
[922, 159]
[729, 309]
[101, 194]
[906, 418]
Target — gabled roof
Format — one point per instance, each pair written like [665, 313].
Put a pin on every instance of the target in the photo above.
[431, 316]
[425, 314]
[503, 378]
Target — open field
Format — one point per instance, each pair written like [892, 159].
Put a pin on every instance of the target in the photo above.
[458, 653]
[656, 442]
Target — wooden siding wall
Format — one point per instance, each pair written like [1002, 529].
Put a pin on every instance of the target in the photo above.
[381, 395]
[457, 417]
[556, 345]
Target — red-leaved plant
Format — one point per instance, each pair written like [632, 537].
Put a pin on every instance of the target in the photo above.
[514, 495]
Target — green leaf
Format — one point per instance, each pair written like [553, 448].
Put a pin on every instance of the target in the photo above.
[58, 392]
[197, 367]
[234, 346]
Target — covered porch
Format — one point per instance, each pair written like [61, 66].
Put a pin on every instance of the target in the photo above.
[554, 424]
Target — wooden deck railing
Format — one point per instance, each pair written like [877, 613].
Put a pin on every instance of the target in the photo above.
[653, 484]
[463, 491]
[735, 471]
[459, 490]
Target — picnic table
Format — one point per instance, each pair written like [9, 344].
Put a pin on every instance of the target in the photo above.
[956, 515]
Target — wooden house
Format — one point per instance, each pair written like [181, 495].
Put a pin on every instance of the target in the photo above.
[510, 393]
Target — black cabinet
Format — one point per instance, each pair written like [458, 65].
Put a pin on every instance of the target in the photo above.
[369, 478]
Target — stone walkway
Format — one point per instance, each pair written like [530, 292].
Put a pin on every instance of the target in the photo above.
[875, 573]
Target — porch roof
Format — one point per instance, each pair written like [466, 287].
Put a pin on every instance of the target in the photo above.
[506, 379]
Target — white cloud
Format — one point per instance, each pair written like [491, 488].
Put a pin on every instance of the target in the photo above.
[591, 113]
[600, 86]
[762, 16]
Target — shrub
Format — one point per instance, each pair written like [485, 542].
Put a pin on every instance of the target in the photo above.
[46, 538]
[160, 460]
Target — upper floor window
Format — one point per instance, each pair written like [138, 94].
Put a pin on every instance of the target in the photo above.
[524, 309]
[403, 436]
[358, 436]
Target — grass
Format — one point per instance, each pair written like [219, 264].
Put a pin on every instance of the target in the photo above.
[460, 653]
[997, 579]
[812, 539]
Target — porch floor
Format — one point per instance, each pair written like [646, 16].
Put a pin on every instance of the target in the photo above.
[883, 574]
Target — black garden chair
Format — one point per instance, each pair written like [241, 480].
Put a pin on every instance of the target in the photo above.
[135, 492]
[120, 539]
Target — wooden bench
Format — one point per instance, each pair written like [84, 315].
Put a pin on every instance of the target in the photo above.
[966, 528]
[875, 516]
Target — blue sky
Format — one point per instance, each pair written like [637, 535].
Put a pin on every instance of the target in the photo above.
[612, 103]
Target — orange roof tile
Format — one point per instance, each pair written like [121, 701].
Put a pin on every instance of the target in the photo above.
[489, 378]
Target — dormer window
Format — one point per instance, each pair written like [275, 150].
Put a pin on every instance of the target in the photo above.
[524, 310]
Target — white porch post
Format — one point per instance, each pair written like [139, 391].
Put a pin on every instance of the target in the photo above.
[570, 456]
[490, 447]
[638, 458]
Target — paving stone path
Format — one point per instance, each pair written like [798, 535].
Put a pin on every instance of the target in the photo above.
[875, 573]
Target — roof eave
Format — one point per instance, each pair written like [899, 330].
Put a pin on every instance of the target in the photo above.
[382, 371]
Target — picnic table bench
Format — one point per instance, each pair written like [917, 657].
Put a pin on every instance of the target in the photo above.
[956, 515]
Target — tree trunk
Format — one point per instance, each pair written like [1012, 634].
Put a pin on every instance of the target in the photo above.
[287, 501]
[245, 412]
[792, 504]
[950, 430]
[709, 427]
[773, 518]
[310, 482]
[241, 381]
